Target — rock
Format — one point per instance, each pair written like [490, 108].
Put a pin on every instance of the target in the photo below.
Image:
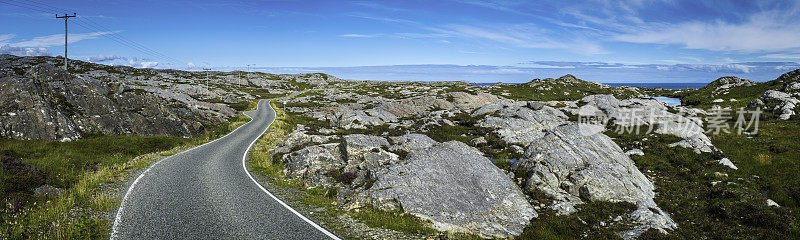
[469, 102]
[47, 103]
[755, 103]
[478, 141]
[572, 167]
[718, 100]
[364, 153]
[410, 142]
[414, 106]
[637, 152]
[310, 164]
[784, 104]
[361, 119]
[772, 203]
[698, 143]
[627, 114]
[727, 162]
[48, 191]
[457, 189]
[725, 83]
[518, 123]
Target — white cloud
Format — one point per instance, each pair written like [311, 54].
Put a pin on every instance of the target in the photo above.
[764, 31]
[18, 51]
[102, 58]
[58, 39]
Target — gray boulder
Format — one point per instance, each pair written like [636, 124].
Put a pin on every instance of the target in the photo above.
[411, 142]
[310, 164]
[457, 189]
[519, 122]
[572, 167]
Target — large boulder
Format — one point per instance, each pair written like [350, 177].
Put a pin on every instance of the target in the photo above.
[519, 122]
[311, 164]
[468, 101]
[410, 142]
[573, 167]
[457, 189]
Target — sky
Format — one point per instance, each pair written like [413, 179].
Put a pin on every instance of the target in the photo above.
[469, 40]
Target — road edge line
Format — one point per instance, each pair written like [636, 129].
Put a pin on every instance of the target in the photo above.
[244, 166]
[120, 210]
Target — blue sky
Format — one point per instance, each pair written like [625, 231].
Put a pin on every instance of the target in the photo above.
[473, 40]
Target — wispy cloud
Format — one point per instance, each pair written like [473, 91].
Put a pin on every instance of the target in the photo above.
[739, 67]
[781, 56]
[4, 38]
[355, 35]
[519, 35]
[766, 31]
[58, 39]
[381, 19]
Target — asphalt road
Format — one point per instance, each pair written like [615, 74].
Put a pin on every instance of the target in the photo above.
[206, 193]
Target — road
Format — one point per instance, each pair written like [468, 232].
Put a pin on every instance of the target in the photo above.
[206, 193]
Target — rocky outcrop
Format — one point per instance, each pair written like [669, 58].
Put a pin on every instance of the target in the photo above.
[519, 123]
[645, 114]
[47, 103]
[457, 189]
[723, 84]
[780, 103]
[361, 119]
[468, 101]
[572, 167]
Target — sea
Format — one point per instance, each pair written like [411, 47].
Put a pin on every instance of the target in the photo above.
[647, 85]
[661, 85]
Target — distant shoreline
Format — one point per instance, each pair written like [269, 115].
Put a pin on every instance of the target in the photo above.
[647, 85]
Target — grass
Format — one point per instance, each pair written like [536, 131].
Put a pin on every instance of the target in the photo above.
[86, 169]
[556, 90]
[708, 200]
[395, 220]
[592, 221]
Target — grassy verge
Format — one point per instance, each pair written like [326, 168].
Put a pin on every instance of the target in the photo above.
[88, 169]
[262, 162]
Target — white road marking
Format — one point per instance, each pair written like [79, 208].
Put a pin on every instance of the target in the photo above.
[121, 210]
[244, 166]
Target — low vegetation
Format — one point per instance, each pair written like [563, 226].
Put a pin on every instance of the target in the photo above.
[87, 170]
[557, 90]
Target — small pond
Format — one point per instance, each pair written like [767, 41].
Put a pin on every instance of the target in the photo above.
[670, 101]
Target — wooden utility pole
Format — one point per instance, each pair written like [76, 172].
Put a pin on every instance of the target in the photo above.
[207, 69]
[66, 17]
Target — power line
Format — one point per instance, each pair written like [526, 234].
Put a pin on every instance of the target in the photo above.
[26, 6]
[91, 25]
[124, 42]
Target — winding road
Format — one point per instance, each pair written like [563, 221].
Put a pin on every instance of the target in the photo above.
[206, 193]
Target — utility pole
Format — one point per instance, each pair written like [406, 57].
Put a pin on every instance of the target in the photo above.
[248, 71]
[206, 69]
[66, 17]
